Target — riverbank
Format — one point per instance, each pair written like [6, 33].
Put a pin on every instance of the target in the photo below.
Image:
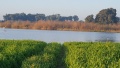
[64, 26]
[39, 54]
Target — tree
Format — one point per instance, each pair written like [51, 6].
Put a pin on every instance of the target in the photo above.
[39, 17]
[31, 17]
[22, 16]
[118, 18]
[106, 16]
[70, 18]
[89, 18]
[63, 18]
[75, 17]
[53, 17]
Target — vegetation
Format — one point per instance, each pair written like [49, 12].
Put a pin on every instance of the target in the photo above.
[107, 16]
[105, 21]
[66, 25]
[37, 54]
[49, 58]
[37, 17]
[12, 52]
[89, 18]
[92, 55]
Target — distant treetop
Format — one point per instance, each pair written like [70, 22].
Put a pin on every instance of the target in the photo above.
[37, 17]
[105, 16]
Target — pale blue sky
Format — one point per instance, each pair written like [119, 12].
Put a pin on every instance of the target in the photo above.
[82, 8]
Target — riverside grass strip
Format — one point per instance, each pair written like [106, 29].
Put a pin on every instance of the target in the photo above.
[38, 54]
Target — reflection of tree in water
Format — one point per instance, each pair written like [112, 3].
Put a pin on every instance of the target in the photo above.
[106, 37]
[105, 40]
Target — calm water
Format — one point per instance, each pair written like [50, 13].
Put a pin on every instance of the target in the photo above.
[58, 36]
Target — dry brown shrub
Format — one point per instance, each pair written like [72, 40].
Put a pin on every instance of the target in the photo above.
[58, 25]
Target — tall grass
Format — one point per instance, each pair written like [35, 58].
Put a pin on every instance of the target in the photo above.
[58, 25]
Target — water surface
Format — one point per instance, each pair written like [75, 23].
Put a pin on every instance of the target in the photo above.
[58, 36]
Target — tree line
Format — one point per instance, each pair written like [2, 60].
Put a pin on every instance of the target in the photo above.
[105, 16]
[37, 17]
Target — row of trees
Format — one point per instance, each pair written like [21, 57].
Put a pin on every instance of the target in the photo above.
[105, 16]
[37, 17]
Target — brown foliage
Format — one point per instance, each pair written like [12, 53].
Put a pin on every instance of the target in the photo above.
[58, 25]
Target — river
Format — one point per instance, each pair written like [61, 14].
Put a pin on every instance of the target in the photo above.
[58, 36]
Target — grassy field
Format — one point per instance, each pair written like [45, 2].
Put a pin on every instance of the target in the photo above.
[38, 54]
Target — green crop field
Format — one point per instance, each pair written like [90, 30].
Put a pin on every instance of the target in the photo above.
[92, 55]
[38, 54]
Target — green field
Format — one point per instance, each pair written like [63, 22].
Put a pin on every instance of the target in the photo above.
[38, 54]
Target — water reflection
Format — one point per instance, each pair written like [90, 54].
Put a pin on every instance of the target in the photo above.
[104, 37]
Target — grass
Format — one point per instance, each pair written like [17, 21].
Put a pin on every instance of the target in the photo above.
[58, 25]
[38, 54]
